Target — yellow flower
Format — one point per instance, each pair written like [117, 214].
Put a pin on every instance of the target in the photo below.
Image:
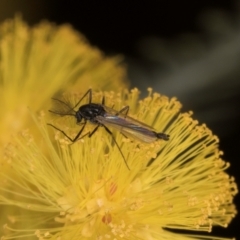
[37, 63]
[85, 191]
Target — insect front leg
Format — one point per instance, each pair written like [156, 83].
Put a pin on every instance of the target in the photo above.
[94, 130]
[89, 92]
[89, 134]
[69, 138]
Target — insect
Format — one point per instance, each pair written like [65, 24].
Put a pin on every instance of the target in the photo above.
[103, 116]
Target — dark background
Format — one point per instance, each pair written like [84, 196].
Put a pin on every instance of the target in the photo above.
[188, 49]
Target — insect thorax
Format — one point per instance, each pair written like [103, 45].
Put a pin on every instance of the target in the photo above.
[91, 111]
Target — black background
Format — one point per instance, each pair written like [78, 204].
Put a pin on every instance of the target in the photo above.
[119, 27]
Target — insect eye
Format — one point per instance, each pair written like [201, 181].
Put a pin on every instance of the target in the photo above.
[79, 117]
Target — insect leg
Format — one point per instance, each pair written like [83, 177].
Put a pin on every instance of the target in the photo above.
[94, 130]
[75, 138]
[89, 92]
[116, 145]
[123, 111]
[103, 100]
[88, 133]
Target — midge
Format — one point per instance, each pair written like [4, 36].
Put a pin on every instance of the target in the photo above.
[103, 116]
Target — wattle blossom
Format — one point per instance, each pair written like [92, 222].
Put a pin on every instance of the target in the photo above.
[38, 63]
[85, 191]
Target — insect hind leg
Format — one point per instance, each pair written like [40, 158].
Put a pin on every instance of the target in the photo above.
[123, 111]
[116, 145]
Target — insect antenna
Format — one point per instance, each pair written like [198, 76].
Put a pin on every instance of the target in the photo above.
[89, 92]
[63, 113]
[55, 99]
[67, 112]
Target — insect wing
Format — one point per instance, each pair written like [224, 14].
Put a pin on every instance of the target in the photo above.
[128, 126]
[111, 111]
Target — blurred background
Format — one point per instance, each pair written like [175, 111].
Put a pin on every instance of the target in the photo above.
[189, 49]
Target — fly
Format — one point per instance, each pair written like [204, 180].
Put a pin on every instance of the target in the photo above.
[103, 116]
